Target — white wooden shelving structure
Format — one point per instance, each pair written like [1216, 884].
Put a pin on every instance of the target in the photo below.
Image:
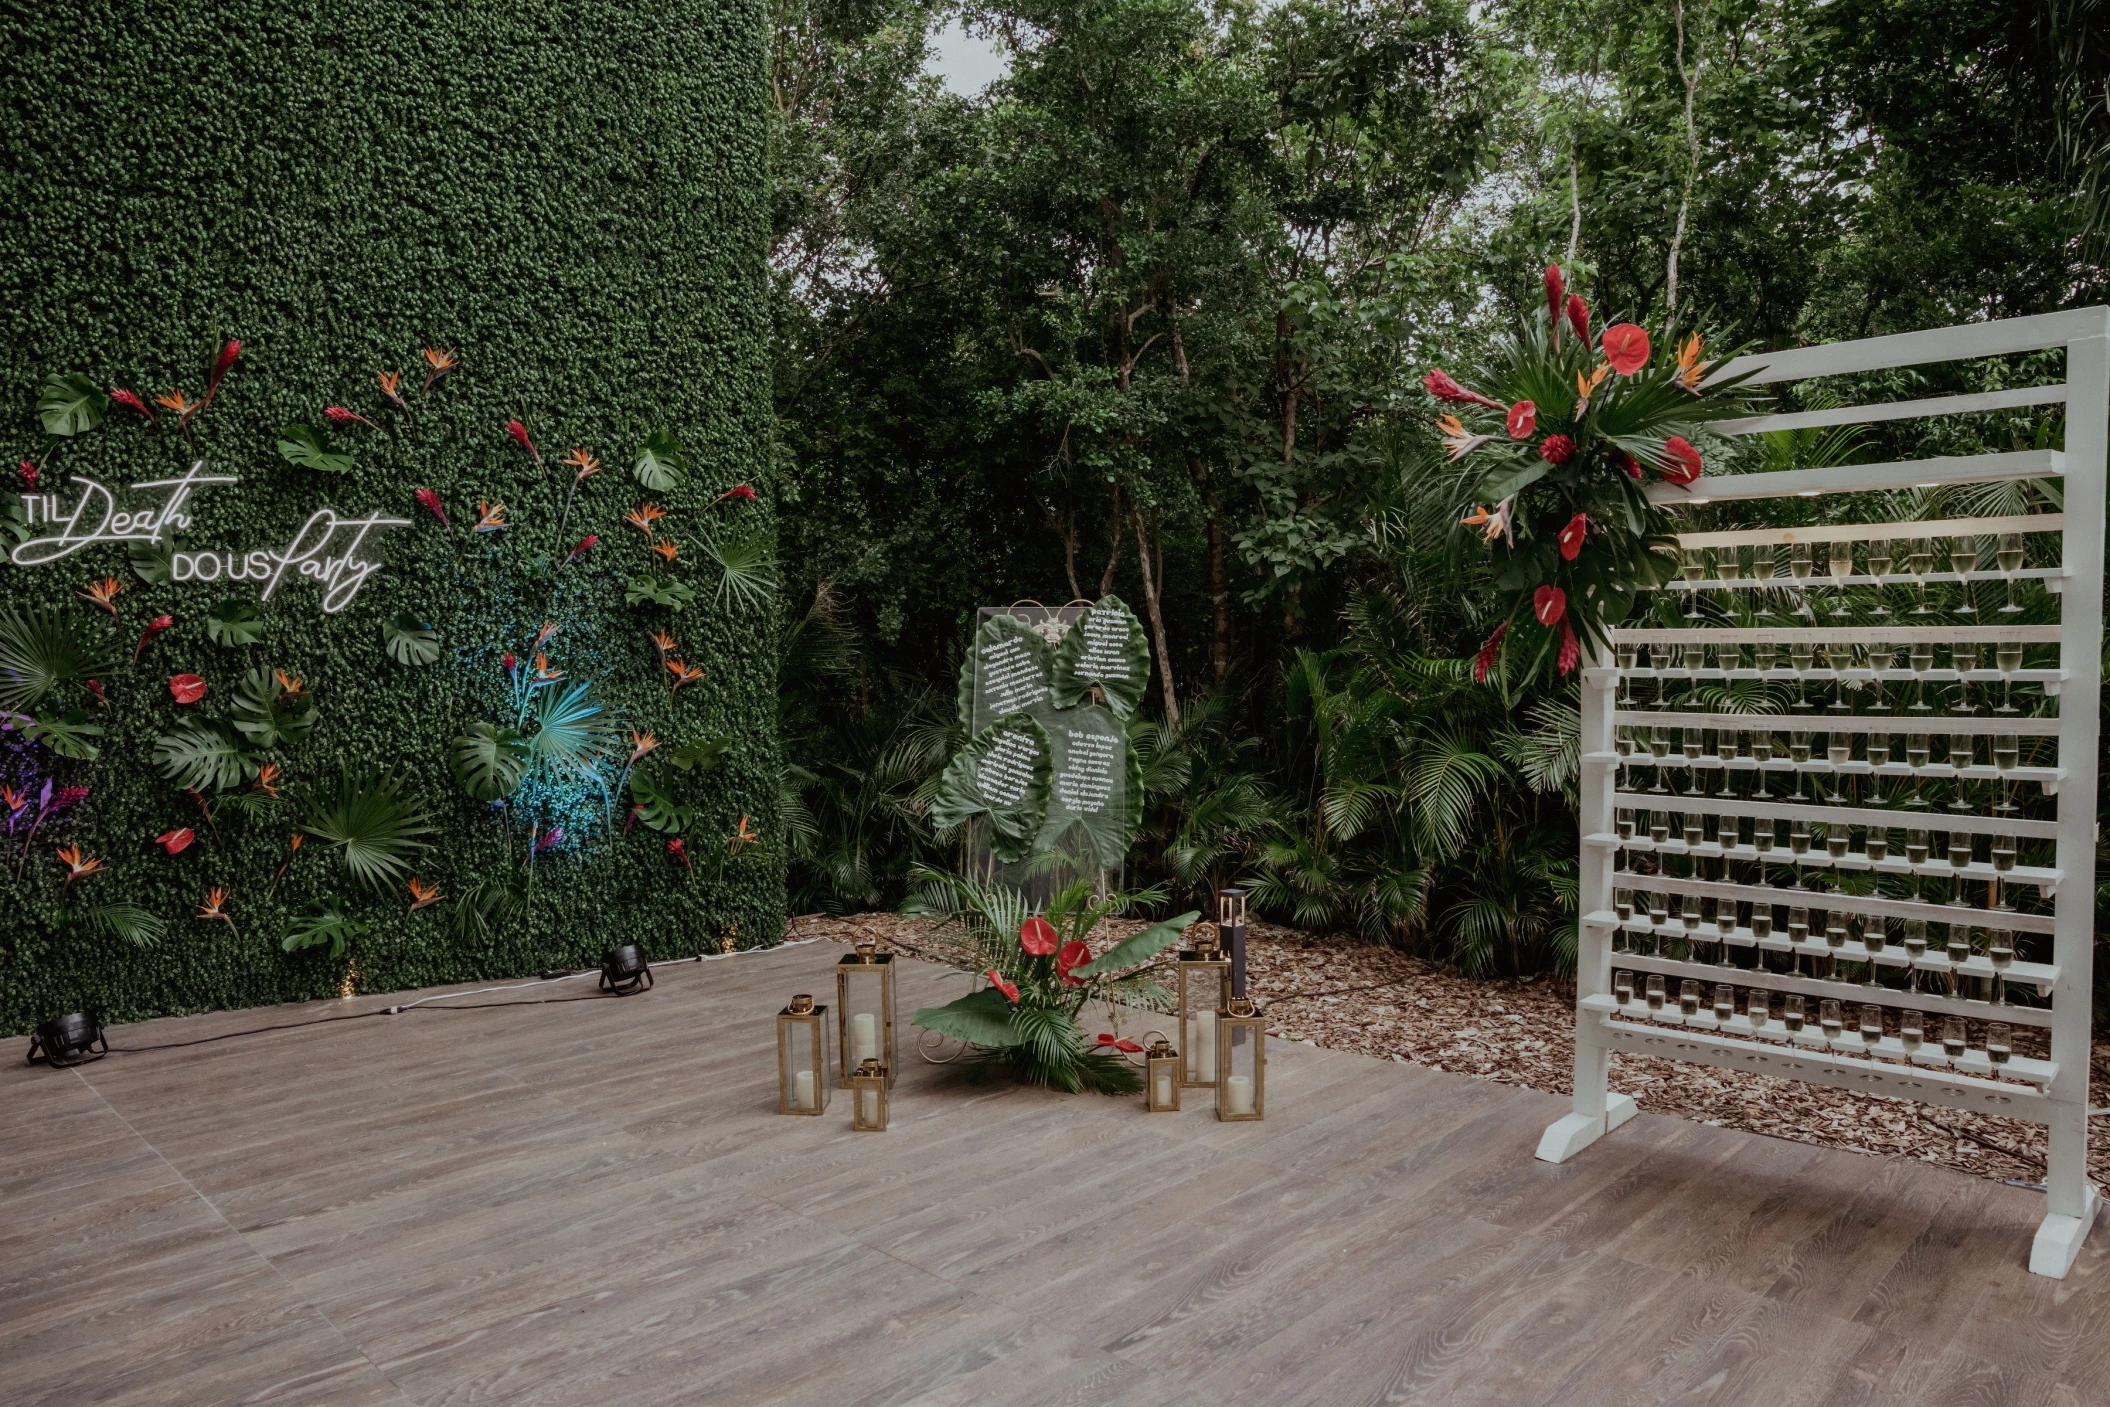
[1723, 781]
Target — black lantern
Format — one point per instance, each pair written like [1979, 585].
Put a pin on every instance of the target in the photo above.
[624, 970]
[68, 1040]
[1230, 922]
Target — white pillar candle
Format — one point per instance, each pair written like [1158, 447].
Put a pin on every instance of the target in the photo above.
[1162, 1089]
[868, 1104]
[864, 1037]
[1205, 1046]
[1238, 1093]
[802, 1098]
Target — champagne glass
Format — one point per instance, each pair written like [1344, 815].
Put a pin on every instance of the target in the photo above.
[1831, 1018]
[1761, 921]
[2007, 755]
[1724, 1003]
[1693, 569]
[2009, 556]
[1835, 936]
[2003, 854]
[1800, 565]
[1658, 827]
[1952, 1037]
[1628, 654]
[1791, 1012]
[1915, 949]
[1652, 993]
[1877, 844]
[1762, 569]
[1800, 654]
[1837, 836]
[1959, 850]
[1689, 997]
[1922, 658]
[1659, 749]
[1919, 561]
[1958, 951]
[2000, 951]
[1623, 906]
[1879, 568]
[1840, 656]
[1963, 555]
[1623, 988]
[1999, 1045]
[1842, 567]
[1871, 1028]
[1690, 914]
[2007, 654]
[1912, 1031]
[1875, 937]
[1919, 748]
[1799, 838]
[1963, 654]
[1762, 656]
[1624, 820]
[1878, 756]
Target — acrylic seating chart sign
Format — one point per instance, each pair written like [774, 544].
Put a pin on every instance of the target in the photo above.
[1839, 796]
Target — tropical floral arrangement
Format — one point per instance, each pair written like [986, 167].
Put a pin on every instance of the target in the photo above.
[1562, 452]
[1041, 972]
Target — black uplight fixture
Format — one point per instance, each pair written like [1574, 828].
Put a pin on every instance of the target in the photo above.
[625, 970]
[72, 1039]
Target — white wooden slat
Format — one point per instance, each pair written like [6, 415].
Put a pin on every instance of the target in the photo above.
[1890, 817]
[2042, 976]
[1819, 858]
[1941, 344]
[1825, 581]
[1897, 410]
[1939, 472]
[1846, 634]
[1879, 532]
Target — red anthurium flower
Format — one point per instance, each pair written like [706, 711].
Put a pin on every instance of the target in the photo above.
[1106, 1038]
[1523, 418]
[1441, 386]
[1070, 956]
[1556, 449]
[176, 841]
[130, 398]
[1579, 317]
[1038, 937]
[1571, 648]
[520, 437]
[1625, 347]
[430, 502]
[1127, 1046]
[1486, 661]
[1571, 538]
[187, 688]
[996, 980]
[154, 627]
[1685, 461]
[1550, 605]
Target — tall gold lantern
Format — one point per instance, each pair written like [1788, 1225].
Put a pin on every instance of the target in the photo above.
[1204, 984]
[802, 1057]
[1241, 1062]
[864, 1010]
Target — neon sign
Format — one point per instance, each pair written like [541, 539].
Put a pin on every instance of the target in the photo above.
[96, 518]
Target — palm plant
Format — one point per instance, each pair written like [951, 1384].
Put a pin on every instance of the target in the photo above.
[373, 828]
[41, 653]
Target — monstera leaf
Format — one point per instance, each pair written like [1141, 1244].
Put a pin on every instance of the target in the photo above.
[325, 922]
[984, 1018]
[302, 446]
[235, 621]
[490, 760]
[410, 640]
[1105, 649]
[651, 591]
[661, 462]
[1138, 948]
[153, 562]
[1097, 784]
[203, 754]
[1008, 671]
[1003, 774]
[266, 715]
[70, 405]
[700, 756]
[656, 809]
[66, 734]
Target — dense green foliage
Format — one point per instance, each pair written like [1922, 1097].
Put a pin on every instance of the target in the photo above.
[1150, 315]
[571, 197]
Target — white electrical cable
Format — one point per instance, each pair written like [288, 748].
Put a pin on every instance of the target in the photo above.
[592, 972]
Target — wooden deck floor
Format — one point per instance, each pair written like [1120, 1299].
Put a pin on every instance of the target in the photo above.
[594, 1202]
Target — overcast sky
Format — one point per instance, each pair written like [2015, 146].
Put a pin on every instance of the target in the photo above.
[967, 64]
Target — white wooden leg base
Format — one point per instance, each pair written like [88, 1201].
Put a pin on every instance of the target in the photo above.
[2058, 1240]
[1566, 1137]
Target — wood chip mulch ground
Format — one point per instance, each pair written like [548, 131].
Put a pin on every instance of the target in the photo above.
[1343, 993]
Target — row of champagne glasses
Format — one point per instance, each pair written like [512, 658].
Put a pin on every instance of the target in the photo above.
[1803, 838]
[1759, 1017]
[1667, 744]
[1801, 660]
[1920, 556]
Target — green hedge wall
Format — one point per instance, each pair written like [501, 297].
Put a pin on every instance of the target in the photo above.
[570, 195]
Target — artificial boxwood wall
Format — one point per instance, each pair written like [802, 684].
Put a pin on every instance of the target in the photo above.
[568, 194]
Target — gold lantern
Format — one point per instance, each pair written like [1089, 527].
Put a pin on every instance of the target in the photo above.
[864, 1010]
[802, 1057]
[868, 1109]
[1204, 982]
[1241, 1061]
[1161, 1078]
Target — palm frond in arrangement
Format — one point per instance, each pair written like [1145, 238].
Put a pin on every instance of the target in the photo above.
[571, 732]
[745, 566]
[127, 922]
[373, 828]
[41, 652]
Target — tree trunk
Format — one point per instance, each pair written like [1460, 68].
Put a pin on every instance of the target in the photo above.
[1219, 592]
[1113, 551]
[1691, 81]
[1151, 583]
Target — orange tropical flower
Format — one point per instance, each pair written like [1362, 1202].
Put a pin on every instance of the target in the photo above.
[76, 867]
[683, 674]
[1690, 368]
[661, 643]
[640, 744]
[492, 516]
[215, 906]
[267, 779]
[549, 628]
[289, 684]
[176, 401]
[1457, 439]
[544, 674]
[298, 837]
[644, 516]
[666, 550]
[423, 895]
[742, 837]
[102, 593]
[1491, 524]
[584, 462]
[442, 361]
[390, 380]
[1586, 386]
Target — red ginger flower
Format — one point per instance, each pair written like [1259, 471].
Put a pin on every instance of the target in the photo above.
[1571, 538]
[1443, 388]
[1571, 648]
[176, 841]
[1009, 989]
[154, 627]
[29, 474]
[1556, 449]
[1625, 347]
[340, 416]
[1555, 287]
[585, 545]
[680, 852]
[1486, 660]
[520, 437]
[430, 501]
[1550, 605]
[1627, 462]
[130, 398]
[219, 369]
[1579, 317]
[1522, 419]
[739, 491]
[1685, 461]
[1038, 937]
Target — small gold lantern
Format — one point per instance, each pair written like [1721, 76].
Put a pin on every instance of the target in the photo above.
[864, 1010]
[868, 1109]
[1241, 1060]
[802, 1057]
[1161, 1078]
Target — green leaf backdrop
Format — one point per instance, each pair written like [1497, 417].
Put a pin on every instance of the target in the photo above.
[570, 196]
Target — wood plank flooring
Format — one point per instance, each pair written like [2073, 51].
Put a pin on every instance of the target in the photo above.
[592, 1200]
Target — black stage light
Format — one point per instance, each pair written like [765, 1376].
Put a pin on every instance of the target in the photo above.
[624, 970]
[68, 1040]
